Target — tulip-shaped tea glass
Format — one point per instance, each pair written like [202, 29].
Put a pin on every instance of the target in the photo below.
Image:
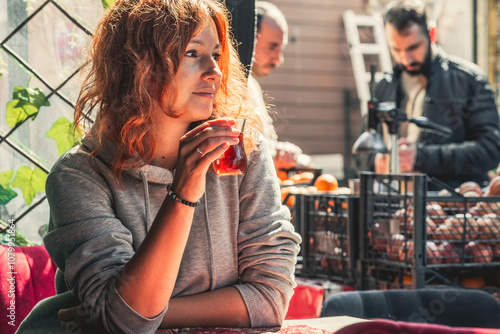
[234, 160]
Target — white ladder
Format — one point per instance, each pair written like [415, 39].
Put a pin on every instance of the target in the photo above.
[357, 50]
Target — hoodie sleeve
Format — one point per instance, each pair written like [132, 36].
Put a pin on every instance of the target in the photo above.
[267, 243]
[90, 245]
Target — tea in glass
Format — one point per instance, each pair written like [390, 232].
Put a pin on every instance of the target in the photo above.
[234, 160]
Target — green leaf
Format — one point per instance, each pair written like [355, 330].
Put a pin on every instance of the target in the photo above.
[6, 177]
[15, 115]
[30, 181]
[63, 131]
[107, 3]
[6, 237]
[26, 102]
[6, 195]
[33, 96]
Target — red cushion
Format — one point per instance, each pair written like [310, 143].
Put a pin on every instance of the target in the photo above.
[33, 271]
[306, 302]
[384, 326]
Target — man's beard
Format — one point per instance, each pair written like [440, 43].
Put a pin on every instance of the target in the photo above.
[424, 67]
[414, 72]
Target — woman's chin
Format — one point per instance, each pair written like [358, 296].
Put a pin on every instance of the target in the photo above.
[205, 114]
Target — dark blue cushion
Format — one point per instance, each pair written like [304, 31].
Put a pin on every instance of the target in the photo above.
[444, 306]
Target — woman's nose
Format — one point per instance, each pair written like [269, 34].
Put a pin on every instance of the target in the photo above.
[212, 70]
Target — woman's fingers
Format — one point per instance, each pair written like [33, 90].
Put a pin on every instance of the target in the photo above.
[224, 122]
[208, 139]
[67, 314]
[197, 150]
[216, 152]
[76, 320]
[210, 144]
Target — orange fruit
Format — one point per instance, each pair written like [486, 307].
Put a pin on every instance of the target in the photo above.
[282, 175]
[291, 199]
[476, 282]
[326, 182]
[407, 280]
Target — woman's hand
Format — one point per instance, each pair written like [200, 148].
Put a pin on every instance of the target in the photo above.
[197, 150]
[75, 320]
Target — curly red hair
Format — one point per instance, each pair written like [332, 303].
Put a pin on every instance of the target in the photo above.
[133, 57]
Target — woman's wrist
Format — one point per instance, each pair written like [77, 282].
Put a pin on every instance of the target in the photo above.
[179, 199]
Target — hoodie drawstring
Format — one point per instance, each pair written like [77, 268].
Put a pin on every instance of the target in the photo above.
[145, 187]
[209, 240]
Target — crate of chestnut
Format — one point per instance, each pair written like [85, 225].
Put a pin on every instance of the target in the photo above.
[412, 236]
[328, 228]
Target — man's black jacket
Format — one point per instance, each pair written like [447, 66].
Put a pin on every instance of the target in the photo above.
[460, 97]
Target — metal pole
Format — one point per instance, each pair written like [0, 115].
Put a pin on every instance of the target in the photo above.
[394, 155]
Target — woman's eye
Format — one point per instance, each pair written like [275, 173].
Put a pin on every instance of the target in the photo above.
[216, 56]
[191, 53]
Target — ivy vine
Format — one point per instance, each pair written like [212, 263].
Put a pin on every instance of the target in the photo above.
[26, 104]
[6, 238]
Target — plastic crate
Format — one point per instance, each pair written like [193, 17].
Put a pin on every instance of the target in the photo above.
[412, 238]
[290, 198]
[328, 226]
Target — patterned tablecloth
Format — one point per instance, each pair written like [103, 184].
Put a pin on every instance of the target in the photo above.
[294, 329]
[327, 325]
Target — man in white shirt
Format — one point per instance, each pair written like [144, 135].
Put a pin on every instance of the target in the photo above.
[271, 39]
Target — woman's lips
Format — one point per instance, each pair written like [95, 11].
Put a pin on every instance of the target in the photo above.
[206, 95]
[209, 94]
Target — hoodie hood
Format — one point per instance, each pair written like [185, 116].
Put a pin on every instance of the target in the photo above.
[153, 174]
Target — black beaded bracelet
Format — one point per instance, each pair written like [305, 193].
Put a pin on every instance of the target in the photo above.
[180, 200]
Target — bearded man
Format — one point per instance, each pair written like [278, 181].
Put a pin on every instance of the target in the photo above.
[447, 90]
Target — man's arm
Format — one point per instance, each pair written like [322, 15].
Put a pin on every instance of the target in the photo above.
[287, 155]
[480, 151]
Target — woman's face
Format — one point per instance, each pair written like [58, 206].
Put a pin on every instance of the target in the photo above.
[199, 77]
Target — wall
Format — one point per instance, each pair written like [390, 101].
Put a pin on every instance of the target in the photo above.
[457, 39]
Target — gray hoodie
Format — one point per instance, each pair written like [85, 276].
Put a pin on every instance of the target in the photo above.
[241, 236]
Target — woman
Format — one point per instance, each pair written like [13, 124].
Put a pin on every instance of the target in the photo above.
[146, 235]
